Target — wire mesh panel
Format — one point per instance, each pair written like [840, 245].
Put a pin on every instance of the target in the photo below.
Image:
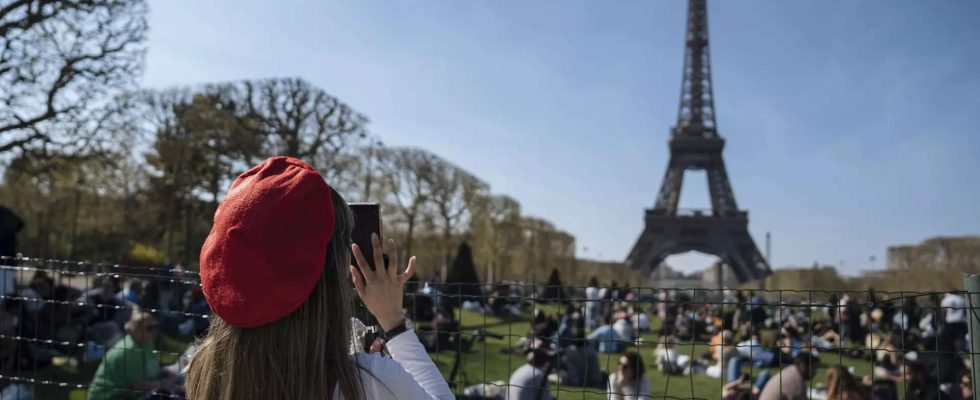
[84, 330]
[71, 330]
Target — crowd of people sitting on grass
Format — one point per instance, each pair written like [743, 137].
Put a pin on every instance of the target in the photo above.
[101, 319]
[608, 340]
[760, 348]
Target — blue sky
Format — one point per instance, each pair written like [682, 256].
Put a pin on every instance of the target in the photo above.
[851, 125]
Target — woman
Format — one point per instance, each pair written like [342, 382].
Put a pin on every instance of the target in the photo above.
[630, 382]
[274, 270]
[841, 385]
[790, 343]
[669, 360]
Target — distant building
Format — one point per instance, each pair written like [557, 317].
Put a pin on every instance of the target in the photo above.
[804, 278]
[666, 277]
[936, 253]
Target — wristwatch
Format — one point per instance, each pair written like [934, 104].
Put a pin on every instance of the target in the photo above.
[397, 330]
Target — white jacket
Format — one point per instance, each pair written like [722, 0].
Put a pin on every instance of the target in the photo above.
[408, 375]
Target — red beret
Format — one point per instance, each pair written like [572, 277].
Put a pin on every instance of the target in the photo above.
[267, 248]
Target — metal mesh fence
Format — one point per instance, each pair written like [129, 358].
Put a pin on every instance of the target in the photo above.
[71, 330]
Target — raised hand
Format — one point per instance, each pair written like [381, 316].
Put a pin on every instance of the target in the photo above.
[381, 289]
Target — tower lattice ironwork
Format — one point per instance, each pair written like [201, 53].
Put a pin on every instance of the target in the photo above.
[695, 145]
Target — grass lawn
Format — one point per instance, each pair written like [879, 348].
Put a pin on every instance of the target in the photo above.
[486, 363]
[490, 361]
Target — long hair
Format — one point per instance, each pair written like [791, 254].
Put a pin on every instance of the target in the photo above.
[636, 364]
[304, 355]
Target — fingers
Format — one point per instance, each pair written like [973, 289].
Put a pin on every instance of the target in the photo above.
[362, 264]
[392, 253]
[379, 262]
[377, 345]
[409, 270]
[358, 280]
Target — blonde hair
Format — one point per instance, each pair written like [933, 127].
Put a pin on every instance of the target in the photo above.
[138, 320]
[667, 342]
[301, 356]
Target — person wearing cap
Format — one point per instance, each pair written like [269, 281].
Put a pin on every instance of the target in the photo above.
[131, 368]
[276, 270]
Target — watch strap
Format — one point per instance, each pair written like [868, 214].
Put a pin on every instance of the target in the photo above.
[397, 330]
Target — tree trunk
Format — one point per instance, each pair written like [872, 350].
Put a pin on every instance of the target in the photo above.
[169, 225]
[74, 224]
[186, 256]
[215, 189]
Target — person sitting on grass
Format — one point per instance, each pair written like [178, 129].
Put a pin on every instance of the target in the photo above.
[921, 382]
[579, 365]
[102, 313]
[530, 381]
[130, 369]
[841, 385]
[544, 326]
[669, 360]
[790, 343]
[741, 388]
[639, 319]
[791, 382]
[752, 349]
[609, 340]
[622, 325]
[445, 333]
[630, 381]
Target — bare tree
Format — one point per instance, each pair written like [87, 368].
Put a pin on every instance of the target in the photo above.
[546, 247]
[301, 120]
[495, 223]
[172, 157]
[407, 172]
[61, 61]
[453, 191]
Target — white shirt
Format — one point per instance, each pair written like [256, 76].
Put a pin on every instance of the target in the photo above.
[629, 392]
[749, 347]
[624, 330]
[641, 321]
[525, 384]
[955, 307]
[925, 324]
[408, 375]
[672, 358]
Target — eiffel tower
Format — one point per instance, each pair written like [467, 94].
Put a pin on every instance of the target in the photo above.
[695, 145]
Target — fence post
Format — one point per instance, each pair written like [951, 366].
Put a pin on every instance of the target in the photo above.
[972, 285]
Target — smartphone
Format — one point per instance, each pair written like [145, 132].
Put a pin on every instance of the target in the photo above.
[367, 220]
